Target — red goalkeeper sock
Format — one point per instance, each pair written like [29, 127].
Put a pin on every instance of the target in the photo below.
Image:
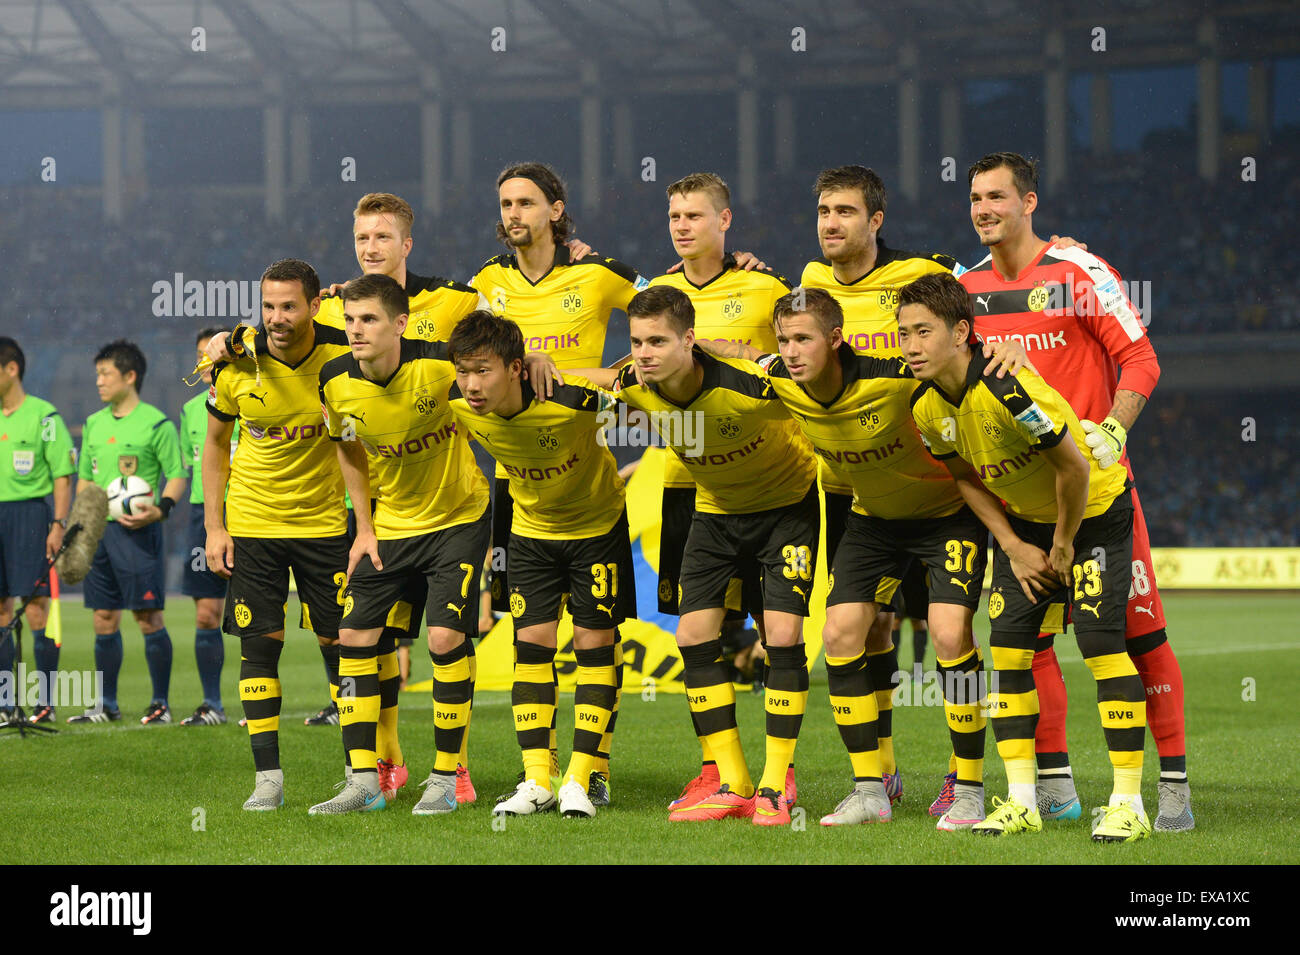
[1052, 703]
[1164, 682]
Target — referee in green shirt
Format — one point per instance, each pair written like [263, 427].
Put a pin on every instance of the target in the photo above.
[35, 459]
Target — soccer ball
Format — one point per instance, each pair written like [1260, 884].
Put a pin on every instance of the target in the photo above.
[128, 495]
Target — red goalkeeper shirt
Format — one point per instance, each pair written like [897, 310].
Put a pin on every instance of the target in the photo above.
[1079, 328]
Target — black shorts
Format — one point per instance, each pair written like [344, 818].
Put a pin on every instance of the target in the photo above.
[777, 546]
[196, 580]
[402, 616]
[24, 525]
[744, 595]
[128, 572]
[595, 572]
[876, 554]
[448, 560]
[912, 598]
[838, 508]
[1102, 572]
[259, 584]
[503, 519]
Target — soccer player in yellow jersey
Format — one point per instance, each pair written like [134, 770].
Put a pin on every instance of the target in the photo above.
[385, 404]
[277, 505]
[569, 536]
[864, 275]
[1067, 528]
[755, 509]
[562, 305]
[381, 237]
[854, 409]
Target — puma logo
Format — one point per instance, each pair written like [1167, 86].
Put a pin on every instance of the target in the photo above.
[456, 610]
[983, 300]
[964, 585]
[1014, 393]
[1146, 610]
[261, 397]
[799, 591]
[1094, 609]
[358, 416]
[608, 612]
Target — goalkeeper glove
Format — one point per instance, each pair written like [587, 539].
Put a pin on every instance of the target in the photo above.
[1105, 440]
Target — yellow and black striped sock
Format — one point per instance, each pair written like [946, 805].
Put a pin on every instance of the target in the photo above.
[593, 709]
[963, 706]
[882, 668]
[387, 745]
[463, 757]
[1013, 701]
[785, 700]
[1121, 701]
[450, 706]
[359, 705]
[532, 701]
[607, 741]
[712, 700]
[854, 706]
[259, 692]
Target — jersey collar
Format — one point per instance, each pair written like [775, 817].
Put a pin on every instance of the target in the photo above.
[974, 374]
[712, 375]
[884, 256]
[529, 396]
[728, 263]
[561, 259]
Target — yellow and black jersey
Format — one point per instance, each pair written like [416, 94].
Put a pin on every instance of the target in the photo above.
[566, 311]
[734, 305]
[423, 472]
[563, 480]
[284, 477]
[739, 445]
[436, 305]
[867, 439]
[1001, 427]
[869, 300]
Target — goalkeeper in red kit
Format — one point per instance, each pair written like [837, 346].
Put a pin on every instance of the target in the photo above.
[1080, 329]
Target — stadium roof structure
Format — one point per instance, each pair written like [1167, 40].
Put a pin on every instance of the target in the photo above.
[84, 53]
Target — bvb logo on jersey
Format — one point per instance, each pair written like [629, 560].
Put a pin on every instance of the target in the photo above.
[572, 301]
[348, 604]
[517, 604]
[991, 429]
[733, 307]
[425, 403]
[425, 328]
[870, 420]
[665, 590]
[1037, 299]
[243, 616]
[547, 441]
[728, 427]
[996, 606]
[127, 464]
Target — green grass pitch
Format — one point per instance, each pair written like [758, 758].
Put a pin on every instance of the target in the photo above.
[131, 794]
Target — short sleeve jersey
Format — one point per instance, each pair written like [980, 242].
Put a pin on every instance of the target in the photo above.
[733, 306]
[735, 437]
[285, 480]
[425, 473]
[869, 300]
[563, 480]
[436, 305]
[140, 442]
[35, 448]
[867, 438]
[1001, 427]
[564, 313]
